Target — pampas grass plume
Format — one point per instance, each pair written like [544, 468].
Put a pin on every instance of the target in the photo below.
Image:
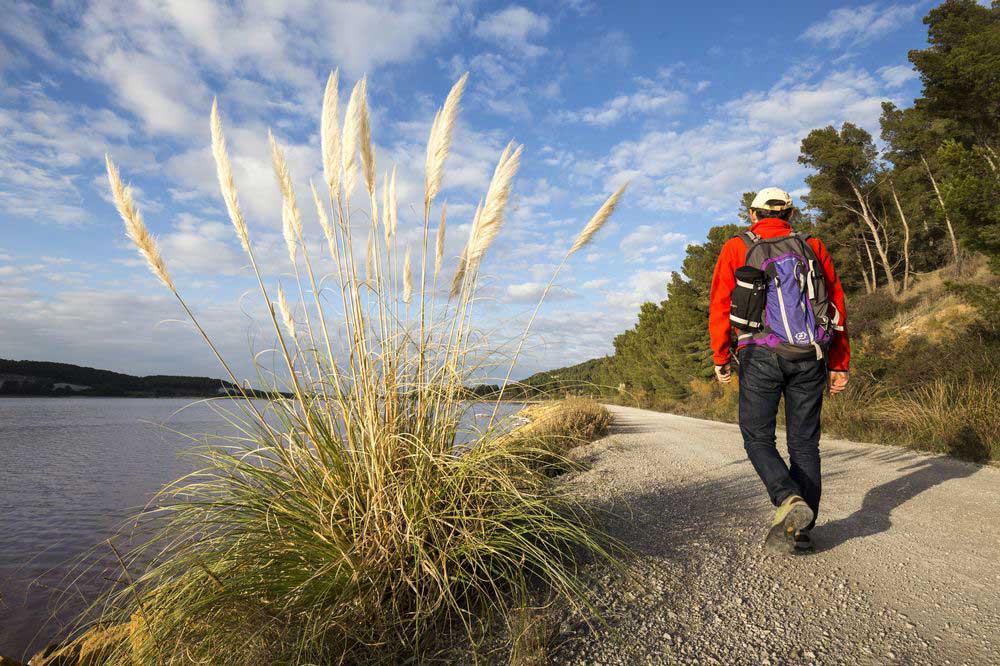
[407, 278]
[491, 217]
[598, 220]
[439, 245]
[330, 133]
[227, 185]
[135, 226]
[286, 314]
[439, 142]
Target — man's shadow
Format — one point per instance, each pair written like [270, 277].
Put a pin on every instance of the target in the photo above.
[874, 515]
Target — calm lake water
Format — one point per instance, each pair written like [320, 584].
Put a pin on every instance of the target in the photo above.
[71, 471]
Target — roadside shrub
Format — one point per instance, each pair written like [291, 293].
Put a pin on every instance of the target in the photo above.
[958, 417]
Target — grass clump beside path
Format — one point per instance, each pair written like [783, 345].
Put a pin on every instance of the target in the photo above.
[361, 519]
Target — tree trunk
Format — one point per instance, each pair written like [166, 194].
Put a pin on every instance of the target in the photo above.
[906, 239]
[867, 216]
[871, 261]
[864, 273]
[947, 220]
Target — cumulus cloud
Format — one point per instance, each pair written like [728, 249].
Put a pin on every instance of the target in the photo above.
[530, 292]
[897, 76]
[514, 28]
[642, 286]
[651, 97]
[856, 25]
[647, 240]
[748, 143]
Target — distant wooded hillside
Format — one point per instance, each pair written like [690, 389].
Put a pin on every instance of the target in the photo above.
[42, 378]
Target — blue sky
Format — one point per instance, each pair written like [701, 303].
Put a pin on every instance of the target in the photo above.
[694, 102]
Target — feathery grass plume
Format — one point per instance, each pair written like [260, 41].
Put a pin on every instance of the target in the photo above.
[350, 135]
[365, 140]
[463, 261]
[135, 226]
[439, 142]
[407, 277]
[286, 313]
[491, 217]
[288, 230]
[227, 185]
[291, 218]
[329, 131]
[599, 218]
[439, 244]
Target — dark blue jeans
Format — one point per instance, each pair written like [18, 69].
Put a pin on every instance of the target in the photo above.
[764, 378]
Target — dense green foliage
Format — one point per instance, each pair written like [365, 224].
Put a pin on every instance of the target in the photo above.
[905, 227]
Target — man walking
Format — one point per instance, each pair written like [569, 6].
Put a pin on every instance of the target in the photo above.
[778, 292]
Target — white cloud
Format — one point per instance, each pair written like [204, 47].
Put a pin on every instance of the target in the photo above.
[201, 247]
[897, 76]
[514, 28]
[643, 286]
[530, 292]
[650, 98]
[596, 284]
[748, 143]
[856, 25]
[647, 239]
[165, 61]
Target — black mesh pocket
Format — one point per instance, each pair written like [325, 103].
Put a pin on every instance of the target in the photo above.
[746, 308]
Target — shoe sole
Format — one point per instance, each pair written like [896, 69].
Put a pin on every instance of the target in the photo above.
[781, 537]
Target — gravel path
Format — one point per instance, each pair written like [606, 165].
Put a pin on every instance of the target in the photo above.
[907, 568]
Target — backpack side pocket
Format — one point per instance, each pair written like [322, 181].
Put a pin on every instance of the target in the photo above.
[749, 297]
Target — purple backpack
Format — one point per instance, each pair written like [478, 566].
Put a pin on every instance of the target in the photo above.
[780, 299]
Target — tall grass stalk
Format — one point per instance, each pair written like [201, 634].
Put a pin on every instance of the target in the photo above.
[349, 522]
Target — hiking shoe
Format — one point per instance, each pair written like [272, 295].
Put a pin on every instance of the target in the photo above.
[792, 516]
[803, 540]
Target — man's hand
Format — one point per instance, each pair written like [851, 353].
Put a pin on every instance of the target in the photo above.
[838, 381]
[723, 373]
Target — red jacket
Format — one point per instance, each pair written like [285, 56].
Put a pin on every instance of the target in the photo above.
[733, 256]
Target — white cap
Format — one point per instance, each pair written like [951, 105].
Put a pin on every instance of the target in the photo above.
[772, 198]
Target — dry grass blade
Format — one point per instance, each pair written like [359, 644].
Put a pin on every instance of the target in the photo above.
[227, 185]
[324, 221]
[386, 222]
[497, 196]
[286, 313]
[407, 277]
[329, 131]
[598, 220]
[439, 244]
[136, 227]
[393, 213]
[439, 143]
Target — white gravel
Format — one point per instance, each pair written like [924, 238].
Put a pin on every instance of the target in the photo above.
[907, 568]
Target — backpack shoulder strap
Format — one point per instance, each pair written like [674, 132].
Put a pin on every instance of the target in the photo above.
[748, 237]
